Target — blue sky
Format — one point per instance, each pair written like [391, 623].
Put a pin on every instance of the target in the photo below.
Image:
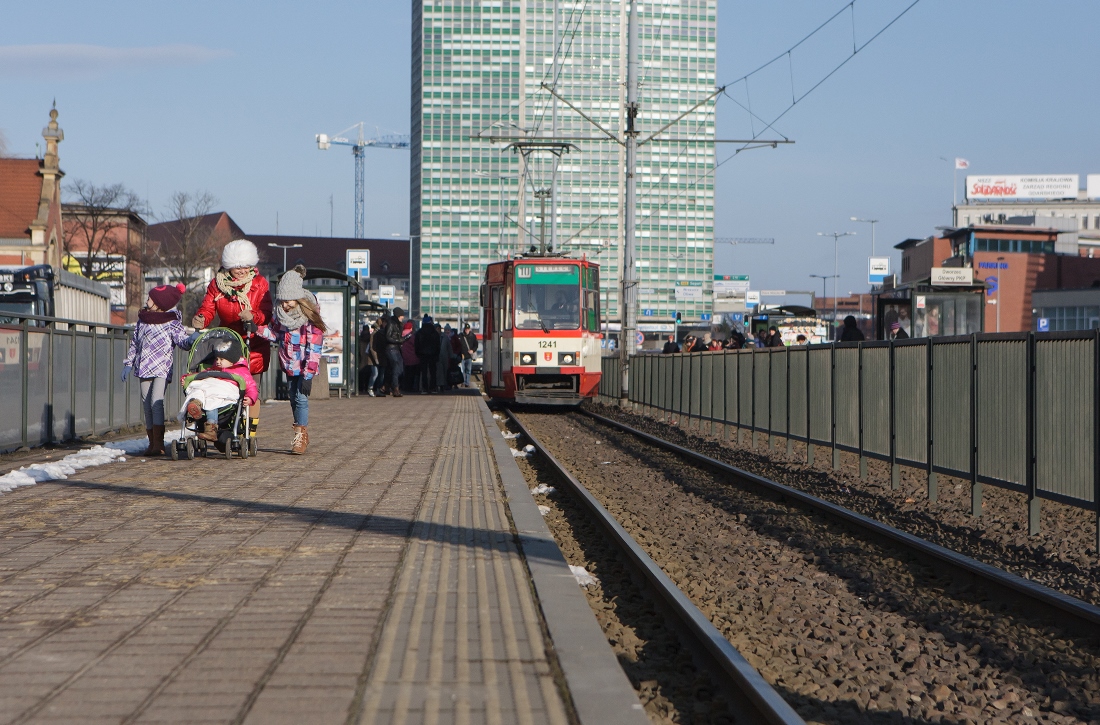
[226, 96]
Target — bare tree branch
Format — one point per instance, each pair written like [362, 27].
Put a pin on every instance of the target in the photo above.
[191, 244]
[98, 224]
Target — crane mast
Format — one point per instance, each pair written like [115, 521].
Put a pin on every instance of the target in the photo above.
[358, 146]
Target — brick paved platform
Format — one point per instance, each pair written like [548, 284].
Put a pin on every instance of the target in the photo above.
[375, 579]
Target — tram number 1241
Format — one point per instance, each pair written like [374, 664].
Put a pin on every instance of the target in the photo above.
[548, 343]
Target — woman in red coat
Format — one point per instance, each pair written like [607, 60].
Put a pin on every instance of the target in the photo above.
[239, 294]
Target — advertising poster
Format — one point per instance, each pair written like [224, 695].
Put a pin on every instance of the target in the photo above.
[331, 305]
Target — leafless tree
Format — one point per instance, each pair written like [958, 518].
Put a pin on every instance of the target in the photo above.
[3, 145]
[189, 245]
[99, 225]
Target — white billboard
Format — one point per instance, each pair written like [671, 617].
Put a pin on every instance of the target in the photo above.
[689, 294]
[1063, 186]
[1092, 186]
[728, 285]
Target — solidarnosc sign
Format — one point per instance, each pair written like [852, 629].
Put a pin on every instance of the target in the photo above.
[1062, 186]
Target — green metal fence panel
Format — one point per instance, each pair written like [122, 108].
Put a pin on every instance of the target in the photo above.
[761, 390]
[911, 402]
[706, 387]
[847, 397]
[677, 384]
[821, 394]
[62, 385]
[1064, 417]
[38, 388]
[118, 392]
[730, 362]
[951, 406]
[745, 365]
[777, 395]
[876, 401]
[798, 362]
[1002, 411]
[11, 382]
[695, 360]
[103, 374]
[718, 387]
[632, 380]
[83, 382]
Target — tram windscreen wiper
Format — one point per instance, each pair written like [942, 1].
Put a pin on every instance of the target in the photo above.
[543, 326]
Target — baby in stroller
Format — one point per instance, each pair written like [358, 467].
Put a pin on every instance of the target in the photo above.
[218, 386]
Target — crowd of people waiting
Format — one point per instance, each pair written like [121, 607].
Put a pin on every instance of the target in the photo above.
[399, 359]
[738, 340]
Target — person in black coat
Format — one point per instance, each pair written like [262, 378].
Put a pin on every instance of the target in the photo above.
[773, 338]
[670, 347]
[426, 344]
[851, 332]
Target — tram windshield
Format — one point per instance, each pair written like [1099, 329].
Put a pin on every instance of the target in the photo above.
[548, 297]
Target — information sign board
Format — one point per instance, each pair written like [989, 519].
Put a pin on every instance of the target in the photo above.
[878, 269]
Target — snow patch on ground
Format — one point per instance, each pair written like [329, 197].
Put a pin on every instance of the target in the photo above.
[510, 436]
[582, 576]
[544, 510]
[542, 488]
[70, 464]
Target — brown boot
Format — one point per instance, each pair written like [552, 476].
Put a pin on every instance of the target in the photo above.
[299, 445]
[151, 450]
[209, 432]
[305, 432]
[156, 442]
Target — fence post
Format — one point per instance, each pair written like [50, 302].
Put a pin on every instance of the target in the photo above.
[24, 382]
[787, 388]
[975, 484]
[933, 481]
[1033, 501]
[895, 472]
[809, 431]
[771, 423]
[752, 397]
[725, 397]
[859, 410]
[1096, 435]
[832, 406]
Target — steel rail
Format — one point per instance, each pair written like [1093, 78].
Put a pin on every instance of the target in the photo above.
[770, 706]
[1081, 610]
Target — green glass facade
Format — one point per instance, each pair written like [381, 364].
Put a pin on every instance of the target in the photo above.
[478, 66]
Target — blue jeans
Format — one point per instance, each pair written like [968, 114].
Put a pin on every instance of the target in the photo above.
[372, 376]
[467, 367]
[299, 403]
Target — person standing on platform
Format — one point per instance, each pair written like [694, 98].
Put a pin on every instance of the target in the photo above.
[239, 294]
[394, 340]
[774, 339]
[411, 380]
[670, 348]
[427, 349]
[468, 346]
[851, 332]
[159, 329]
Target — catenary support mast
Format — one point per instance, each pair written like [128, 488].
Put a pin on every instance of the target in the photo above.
[629, 273]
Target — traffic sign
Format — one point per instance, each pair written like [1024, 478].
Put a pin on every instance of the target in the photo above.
[705, 317]
[878, 269]
[752, 299]
[358, 262]
[386, 293]
[639, 337]
[1044, 324]
[647, 313]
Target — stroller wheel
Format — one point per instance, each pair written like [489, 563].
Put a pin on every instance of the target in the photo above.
[190, 446]
[174, 450]
[201, 446]
[228, 451]
[243, 446]
[253, 446]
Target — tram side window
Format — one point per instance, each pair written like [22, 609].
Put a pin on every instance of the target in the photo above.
[496, 296]
[506, 308]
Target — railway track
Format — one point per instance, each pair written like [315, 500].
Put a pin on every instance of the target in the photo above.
[849, 619]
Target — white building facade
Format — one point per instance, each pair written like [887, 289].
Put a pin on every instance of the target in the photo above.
[478, 69]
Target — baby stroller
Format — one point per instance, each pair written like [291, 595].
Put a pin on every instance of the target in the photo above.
[234, 433]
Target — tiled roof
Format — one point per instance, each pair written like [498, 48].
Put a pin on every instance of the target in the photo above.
[20, 190]
[330, 252]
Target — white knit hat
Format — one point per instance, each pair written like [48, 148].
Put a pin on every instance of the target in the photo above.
[240, 253]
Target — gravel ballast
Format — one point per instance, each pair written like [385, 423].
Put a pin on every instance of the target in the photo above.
[847, 628]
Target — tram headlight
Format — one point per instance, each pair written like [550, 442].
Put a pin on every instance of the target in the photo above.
[527, 358]
[567, 358]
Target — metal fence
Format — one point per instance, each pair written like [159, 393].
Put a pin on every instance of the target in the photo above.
[1017, 411]
[60, 380]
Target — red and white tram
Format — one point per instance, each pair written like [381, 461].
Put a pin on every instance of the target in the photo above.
[542, 330]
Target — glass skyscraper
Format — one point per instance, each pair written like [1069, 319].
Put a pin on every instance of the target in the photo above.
[478, 69]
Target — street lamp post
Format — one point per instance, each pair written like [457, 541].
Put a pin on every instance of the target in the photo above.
[284, 247]
[836, 265]
[822, 277]
[872, 222]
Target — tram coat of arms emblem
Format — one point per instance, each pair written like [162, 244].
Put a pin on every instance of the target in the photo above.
[548, 356]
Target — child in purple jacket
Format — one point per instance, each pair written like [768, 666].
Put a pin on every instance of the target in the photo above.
[159, 329]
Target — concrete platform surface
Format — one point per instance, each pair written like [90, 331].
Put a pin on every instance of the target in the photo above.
[375, 579]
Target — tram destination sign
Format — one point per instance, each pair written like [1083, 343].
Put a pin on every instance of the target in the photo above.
[547, 274]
